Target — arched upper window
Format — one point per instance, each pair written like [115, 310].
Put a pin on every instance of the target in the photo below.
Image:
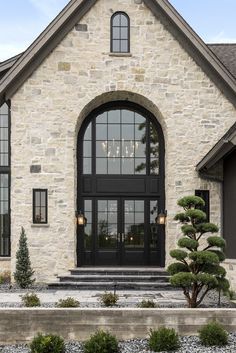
[121, 141]
[120, 33]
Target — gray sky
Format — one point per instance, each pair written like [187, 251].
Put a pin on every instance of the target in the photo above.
[21, 21]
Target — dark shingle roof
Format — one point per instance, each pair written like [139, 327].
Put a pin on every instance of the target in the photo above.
[227, 55]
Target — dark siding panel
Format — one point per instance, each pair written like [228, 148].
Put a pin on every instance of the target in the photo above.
[230, 205]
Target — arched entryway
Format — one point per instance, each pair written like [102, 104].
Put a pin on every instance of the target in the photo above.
[121, 187]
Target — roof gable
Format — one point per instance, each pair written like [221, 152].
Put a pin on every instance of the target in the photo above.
[73, 13]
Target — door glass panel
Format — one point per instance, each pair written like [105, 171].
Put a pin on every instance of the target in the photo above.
[154, 150]
[134, 223]
[88, 227]
[154, 228]
[107, 228]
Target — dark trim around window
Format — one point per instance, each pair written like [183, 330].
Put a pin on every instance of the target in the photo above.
[40, 206]
[121, 39]
[5, 169]
[205, 195]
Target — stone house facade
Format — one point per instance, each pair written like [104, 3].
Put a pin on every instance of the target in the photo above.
[75, 75]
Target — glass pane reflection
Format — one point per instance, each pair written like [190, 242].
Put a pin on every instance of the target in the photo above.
[153, 226]
[107, 224]
[134, 223]
[88, 227]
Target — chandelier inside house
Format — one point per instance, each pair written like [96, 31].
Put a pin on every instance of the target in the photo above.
[116, 149]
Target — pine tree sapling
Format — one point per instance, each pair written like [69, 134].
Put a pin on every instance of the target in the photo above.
[24, 272]
[197, 270]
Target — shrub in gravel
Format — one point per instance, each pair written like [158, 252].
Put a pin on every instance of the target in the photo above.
[147, 304]
[24, 271]
[101, 342]
[30, 300]
[5, 277]
[163, 339]
[109, 299]
[68, 303]
[47, 344]
[213, 334]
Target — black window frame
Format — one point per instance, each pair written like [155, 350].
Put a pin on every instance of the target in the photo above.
[205, 195]
[35, 221]
[6, 169]
[118, 13]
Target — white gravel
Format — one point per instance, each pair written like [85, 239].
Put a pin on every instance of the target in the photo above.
[188, 344]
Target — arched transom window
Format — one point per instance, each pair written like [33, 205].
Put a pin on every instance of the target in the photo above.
[121, 142]
[120, 33]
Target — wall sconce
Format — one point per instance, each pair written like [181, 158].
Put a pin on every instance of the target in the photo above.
[81, 219]
[161, 218]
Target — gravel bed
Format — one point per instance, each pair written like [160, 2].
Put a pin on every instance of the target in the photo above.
[188, 344]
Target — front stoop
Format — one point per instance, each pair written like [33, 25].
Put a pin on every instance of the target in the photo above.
[95, 278]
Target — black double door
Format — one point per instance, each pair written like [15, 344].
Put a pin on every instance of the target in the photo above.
[121, 232]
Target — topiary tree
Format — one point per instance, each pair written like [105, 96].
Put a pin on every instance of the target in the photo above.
[24, 272]
[197, 270]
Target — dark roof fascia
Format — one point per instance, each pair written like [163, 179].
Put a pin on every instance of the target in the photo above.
[43, 46]
[219, 151]
[7, 64]
[195, 46]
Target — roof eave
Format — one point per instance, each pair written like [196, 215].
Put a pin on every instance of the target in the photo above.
[42, 46]
[219, 151]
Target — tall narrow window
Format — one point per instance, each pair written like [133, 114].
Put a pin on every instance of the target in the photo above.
[120, 33]
[40, 206]
[205, 195]
[4, 181]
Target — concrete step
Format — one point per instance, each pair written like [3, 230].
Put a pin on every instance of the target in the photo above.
[119, 271]
[109, 286]
[114, 278]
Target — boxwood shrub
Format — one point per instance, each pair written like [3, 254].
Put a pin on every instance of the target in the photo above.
[101, 342]
[213, 334]
[163, 339]
[47, 344]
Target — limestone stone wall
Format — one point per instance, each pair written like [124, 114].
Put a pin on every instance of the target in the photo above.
[230, 266]
[5, 264]
[47, 112]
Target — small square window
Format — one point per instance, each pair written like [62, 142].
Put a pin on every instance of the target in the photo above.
[40, 206]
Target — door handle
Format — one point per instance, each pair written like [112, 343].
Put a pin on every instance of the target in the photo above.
[122, 237]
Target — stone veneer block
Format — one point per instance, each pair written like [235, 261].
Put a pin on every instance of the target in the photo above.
[34, 169]
[80, 27]
[64, 66]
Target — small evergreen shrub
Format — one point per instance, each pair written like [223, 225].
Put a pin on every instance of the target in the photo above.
[147, 304]
[163, 339]
[213, 334]
[109, 299]
[24, 272]
[68, 303]
[30, 300]
[101, 342]
[47, 344]
[5, 277]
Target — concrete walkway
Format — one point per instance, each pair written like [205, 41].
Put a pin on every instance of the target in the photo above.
[126, 298]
